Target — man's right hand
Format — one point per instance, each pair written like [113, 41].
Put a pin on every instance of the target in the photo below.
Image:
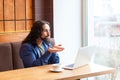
[56, 48]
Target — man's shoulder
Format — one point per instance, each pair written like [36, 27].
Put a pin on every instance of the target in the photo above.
[27, 45]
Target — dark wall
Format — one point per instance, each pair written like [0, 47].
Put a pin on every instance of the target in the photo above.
[44, 11]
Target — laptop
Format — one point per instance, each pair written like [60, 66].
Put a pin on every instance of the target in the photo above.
[84, 56]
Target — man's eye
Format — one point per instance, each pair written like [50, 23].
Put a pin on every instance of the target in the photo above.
[46, 30]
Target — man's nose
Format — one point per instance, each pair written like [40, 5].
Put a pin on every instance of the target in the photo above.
[48, 32]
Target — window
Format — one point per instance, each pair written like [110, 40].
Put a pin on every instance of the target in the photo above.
[106, 17]
[104, 32]
[103, 22]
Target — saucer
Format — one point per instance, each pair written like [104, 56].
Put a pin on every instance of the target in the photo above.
[58, 70]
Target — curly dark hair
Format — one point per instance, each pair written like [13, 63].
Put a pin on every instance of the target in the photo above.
[36, 32]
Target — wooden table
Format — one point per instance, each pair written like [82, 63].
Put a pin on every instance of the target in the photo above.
[44, 73]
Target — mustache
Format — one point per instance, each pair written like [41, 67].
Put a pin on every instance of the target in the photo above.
[46, 37]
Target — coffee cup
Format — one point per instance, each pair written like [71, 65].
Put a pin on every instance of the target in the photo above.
[57, 67]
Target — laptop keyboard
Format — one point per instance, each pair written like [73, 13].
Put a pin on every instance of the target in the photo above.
[71, 65]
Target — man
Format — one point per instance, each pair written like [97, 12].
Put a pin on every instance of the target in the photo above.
[36, 50]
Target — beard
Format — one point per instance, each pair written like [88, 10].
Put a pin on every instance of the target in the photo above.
[46, 39]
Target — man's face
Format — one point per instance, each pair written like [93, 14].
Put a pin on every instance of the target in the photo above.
[46, 31]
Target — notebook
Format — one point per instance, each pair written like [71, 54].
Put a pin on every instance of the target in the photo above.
[84, 56]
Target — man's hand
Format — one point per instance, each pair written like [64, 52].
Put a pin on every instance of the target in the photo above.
[56, 48]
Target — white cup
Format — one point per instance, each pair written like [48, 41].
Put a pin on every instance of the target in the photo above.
[57, 67]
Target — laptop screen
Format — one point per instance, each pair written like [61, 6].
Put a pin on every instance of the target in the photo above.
[83, 57]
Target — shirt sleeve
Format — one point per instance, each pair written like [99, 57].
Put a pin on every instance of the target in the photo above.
[54, 58]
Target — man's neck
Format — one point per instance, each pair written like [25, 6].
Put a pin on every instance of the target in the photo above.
[39, 41]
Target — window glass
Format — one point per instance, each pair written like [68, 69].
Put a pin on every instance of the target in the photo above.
[106, 15]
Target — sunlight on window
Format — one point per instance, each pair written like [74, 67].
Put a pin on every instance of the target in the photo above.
[107, 8]
[116, 6]
[106, 17]
[104, 22]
